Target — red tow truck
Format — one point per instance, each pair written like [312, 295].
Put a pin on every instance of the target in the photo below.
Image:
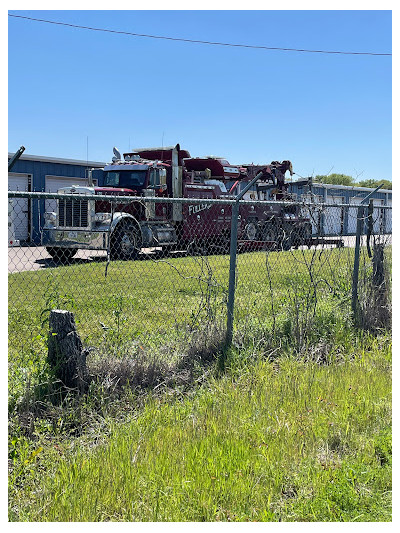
[125, 228]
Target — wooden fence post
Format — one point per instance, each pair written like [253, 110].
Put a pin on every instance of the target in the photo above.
[65, 352]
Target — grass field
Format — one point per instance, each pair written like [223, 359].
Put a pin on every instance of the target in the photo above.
[289, 431]
[155, 302]
[159, 303]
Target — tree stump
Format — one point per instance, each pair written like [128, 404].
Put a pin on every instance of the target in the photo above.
[66, 355]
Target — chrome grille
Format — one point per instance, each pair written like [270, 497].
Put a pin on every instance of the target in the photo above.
[73, 213]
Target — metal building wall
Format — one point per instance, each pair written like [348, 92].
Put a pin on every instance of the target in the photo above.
[349, 195]
[39, 170]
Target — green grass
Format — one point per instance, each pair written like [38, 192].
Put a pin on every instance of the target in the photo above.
[297, 428]
[290, 441]
[154, 303]
[160, 294]
[155, 299]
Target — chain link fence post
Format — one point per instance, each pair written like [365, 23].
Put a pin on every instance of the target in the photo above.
[360, 228]
[232, 262]
[354, 294]
[232, 273]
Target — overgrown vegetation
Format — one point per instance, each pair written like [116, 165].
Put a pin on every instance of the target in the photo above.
[297, 426]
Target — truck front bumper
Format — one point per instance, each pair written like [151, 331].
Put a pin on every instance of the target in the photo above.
[98, 239]
[76, 238]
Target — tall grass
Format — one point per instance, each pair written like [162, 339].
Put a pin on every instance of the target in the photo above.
[290, 441]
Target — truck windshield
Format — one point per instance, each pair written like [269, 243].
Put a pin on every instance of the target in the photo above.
[126, 178]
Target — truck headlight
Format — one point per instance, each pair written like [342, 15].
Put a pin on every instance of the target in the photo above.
[101, 217]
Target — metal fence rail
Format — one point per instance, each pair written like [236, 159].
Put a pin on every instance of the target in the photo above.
[235, 266]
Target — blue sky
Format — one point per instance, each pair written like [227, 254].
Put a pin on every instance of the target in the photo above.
[324, 112]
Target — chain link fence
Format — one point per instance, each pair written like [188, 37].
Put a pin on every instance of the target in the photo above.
[153, 273]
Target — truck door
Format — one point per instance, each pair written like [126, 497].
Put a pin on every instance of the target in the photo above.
[198, 222]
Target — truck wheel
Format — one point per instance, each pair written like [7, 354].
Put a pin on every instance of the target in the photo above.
[269, 233]
[302, 235]
[61, 255]
[284, 240]
[286, 244]
[126, 241]
[251, 231]
[197, 248]
[307, 232]
[224, 244]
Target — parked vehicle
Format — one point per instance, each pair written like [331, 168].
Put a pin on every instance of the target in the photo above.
[125, 228]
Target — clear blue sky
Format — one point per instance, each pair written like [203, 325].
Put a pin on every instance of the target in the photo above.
[326, 113]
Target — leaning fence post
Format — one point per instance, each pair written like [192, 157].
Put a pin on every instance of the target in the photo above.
[354, 295]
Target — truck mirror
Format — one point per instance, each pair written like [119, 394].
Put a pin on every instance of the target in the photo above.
[163, 176]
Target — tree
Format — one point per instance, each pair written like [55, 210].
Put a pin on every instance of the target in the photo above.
[335, 179]
[387, 184]
[343, 179]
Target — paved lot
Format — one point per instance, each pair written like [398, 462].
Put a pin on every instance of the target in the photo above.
[26, 258]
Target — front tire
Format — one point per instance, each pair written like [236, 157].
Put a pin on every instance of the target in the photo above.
[126, 241]
[197, 248]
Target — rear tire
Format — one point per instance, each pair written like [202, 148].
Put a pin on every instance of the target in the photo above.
[126, 241]
[285, 245]
[270, 232]
[302, 235]
[197, 248]
[61, 255]
[307, 232]
[251, 231]
[284, 239]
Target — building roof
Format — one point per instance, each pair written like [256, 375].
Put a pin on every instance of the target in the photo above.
[45, 159]
[345, 187]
